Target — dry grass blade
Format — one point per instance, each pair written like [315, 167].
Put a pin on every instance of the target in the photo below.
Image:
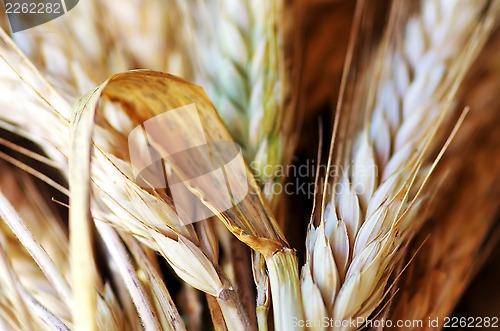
[44, 261]
[38, 96]
[11, 282]
[149, 319]
[41, 267]
[80, 221]
[370, 207]
[33, 284]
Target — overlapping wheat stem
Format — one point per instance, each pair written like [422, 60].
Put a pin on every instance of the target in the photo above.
[92, 28]
[370, 208]
[35, 264]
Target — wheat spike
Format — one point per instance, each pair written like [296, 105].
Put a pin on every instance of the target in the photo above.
[21, 274]
[114, 49]
[99, 38]
[245, 70]
[373, 209]
[452, 243]
[173, 239]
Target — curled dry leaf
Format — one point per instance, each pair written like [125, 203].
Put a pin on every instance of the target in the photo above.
[144, 95]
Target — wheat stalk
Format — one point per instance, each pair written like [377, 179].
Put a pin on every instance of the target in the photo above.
[17, 263]
[355, 247]
[39, 269]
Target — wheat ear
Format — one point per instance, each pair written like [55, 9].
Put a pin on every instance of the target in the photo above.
[177, 243]
[452, 245]
[100, 38]
[246, 72]
[91, 44]
[373, 210]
